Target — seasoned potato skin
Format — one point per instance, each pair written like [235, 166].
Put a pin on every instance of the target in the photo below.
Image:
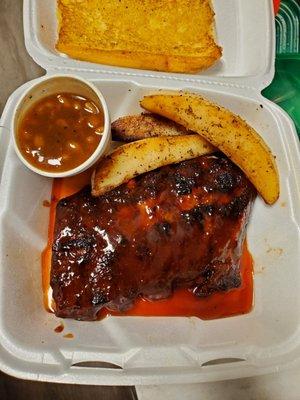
[145, 155]
[224, 130]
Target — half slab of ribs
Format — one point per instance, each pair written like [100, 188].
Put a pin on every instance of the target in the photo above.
[182, 225]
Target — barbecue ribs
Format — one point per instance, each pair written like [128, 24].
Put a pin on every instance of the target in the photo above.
[182, 225]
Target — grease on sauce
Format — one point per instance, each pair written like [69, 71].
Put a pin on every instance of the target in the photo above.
[182, 302]
[69, 336]
[60, 132]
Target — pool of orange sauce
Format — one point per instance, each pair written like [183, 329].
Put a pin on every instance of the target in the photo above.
[182, 303]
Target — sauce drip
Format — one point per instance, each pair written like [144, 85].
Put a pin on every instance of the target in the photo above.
[182, 302]
[60, 132]
[46, 203]
[59, 328]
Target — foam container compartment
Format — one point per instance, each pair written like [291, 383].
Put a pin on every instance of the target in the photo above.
[241, 29]
[152, 350]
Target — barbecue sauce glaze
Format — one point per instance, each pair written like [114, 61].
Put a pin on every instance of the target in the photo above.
[182, 302]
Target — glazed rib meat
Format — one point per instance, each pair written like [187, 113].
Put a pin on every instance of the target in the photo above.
[182, 225]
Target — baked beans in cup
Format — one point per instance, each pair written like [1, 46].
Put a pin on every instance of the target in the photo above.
[61, 126]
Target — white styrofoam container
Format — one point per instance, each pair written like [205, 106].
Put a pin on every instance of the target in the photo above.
[244, 29]
[154, 350]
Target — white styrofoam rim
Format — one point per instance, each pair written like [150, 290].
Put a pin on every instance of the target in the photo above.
[99, 151]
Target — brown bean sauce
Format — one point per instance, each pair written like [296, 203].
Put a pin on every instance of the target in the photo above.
[60, 132]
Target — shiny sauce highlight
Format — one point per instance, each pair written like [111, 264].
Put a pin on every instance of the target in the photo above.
[182, 302]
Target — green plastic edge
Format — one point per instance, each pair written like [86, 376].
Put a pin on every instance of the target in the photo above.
[285, 87]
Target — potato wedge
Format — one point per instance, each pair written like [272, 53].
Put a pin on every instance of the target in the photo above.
[137, 127]
[145, 155]
[225, 130]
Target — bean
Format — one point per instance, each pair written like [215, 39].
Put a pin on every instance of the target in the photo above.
[64, 101]
[48, 105]
[90, 139]
[27, 136]
[27, 149]
[74, 146]
[61, 122]
[99, 131]
[40, 109]
[93, 121]
[33, 122]
[66, 157]
[77, 105]
[91, 108]
[38, 141]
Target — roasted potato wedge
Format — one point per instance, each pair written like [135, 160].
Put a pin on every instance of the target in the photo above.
[225, 130]
[136, 127]
[145, 155]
